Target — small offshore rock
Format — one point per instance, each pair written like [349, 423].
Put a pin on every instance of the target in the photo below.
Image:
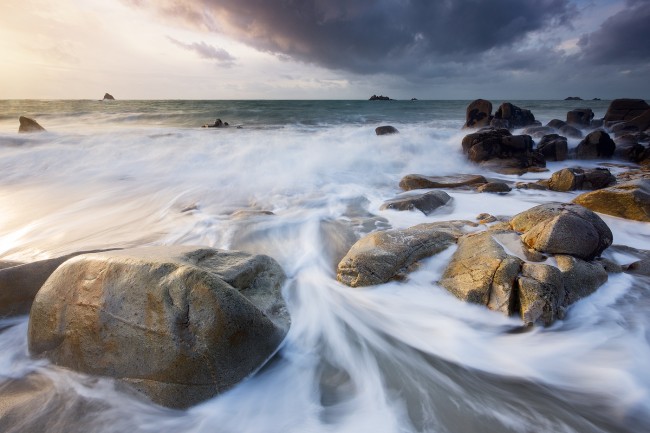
[418, 181]
[386, 130]
[629, 200]
[108, 96]
[426, 203]
[29, 125]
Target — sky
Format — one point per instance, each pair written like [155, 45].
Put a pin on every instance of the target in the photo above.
[324, 49]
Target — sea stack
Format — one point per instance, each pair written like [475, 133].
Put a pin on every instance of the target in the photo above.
[109, 97]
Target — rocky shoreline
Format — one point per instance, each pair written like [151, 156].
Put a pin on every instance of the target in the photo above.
[182, 324]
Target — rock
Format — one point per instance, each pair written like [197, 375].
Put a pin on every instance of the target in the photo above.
[379, 98]
[19, 284]
[554, 147]
[597, 144]
[556, 123]
[541, 185]
[538, 131]
[418, 181]
[541, 294]
[580, 117]
[494, 187]
[499, 124]
[571, 179]
[563, 228]
[580, 278]
[108, 96]
[629, 200]
[381, 256]
[479, 114]
[640, 267]
[625, 109]
[516, 117]
[426, 203]
[481, 272]
[485, 218]
[516, 151]
[179, 324]
[596, 123]
[633, 152]
[386, 130]
[637, 124]
[570, 131]
[217, 124]
[29, 125]
[573, 98]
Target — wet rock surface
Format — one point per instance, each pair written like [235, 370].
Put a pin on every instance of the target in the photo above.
[425, 203]
[629, 200]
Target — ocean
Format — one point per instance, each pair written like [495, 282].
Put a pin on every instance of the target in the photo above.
[398, 357]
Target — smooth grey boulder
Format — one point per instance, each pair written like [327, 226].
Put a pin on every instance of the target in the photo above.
[381, 256]
[179, 324]
[563, 228]
[425, 203]
[581, 278]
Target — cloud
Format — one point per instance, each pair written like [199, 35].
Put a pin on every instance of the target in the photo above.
[371, 36]
[206, 51]
[622, 38]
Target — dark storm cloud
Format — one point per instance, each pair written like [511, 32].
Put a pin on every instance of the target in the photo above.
[622, 38]
[364, 36]
[206, 51]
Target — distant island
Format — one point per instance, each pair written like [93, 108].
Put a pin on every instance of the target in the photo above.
[109, 97]
[573, 98]
[379, 98]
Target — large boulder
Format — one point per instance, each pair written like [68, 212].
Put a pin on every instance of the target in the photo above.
[426, 203]
[515, 116]
[179, 324]
[419, 181]
[630, 200]
[479, 114]
[571, 179]
[29, 125]
[554, 147]
[563, 228]
[636, 124]
[595, 145]
[625, 109]
[384, 255]
[20, 283]
[580, 117]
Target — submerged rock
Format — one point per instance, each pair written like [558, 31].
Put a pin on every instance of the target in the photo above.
[418, 181]
[426, 203]
[29, 125]
[386, 130]
[179, 324]
[383, 255]
[629, 200]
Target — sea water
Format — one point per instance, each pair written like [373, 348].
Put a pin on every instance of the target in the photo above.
[397, 357]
